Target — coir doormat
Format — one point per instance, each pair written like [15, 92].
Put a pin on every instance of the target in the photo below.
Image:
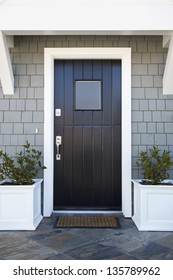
[87, 222]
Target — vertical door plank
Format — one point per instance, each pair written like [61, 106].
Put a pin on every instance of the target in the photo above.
[117, 165]
[97, 166]
[58, 170]
[116, 93]
[78, 157]
[107, 164]
[59, 88]
[68, 165]
[68, 84]
[78, 70]
[87, 158]
[87, 75]
[97, 75]
[107, 94]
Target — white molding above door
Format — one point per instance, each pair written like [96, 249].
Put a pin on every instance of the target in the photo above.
[50, 54]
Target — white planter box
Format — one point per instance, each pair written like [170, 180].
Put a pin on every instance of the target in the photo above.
[20, 206]
[153, 207]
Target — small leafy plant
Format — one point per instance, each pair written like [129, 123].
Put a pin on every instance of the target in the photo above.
[155, 165]
[24, 169]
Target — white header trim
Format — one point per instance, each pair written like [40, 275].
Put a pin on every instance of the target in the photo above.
[87, 53]
[66, 18]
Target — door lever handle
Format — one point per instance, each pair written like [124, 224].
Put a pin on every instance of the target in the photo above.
[58, 143]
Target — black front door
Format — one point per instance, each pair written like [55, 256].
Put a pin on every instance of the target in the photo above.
[87, 160]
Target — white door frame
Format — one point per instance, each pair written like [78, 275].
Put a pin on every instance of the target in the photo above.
[50, 54]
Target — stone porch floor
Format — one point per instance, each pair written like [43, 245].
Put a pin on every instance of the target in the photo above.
[48, 243]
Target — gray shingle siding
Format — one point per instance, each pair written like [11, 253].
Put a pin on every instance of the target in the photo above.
[152, 114]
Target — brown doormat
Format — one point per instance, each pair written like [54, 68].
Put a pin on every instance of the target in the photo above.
[87, 222]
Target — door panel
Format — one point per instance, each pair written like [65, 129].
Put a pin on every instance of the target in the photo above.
[88, 176]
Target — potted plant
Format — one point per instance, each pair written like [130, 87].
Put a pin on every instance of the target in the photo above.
[153, 195]
[20, 193]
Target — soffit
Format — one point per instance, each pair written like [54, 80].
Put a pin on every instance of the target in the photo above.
[57, 17]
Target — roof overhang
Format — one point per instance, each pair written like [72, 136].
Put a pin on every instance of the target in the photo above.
[86, 17]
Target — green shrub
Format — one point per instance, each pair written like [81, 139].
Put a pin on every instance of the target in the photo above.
[155, 165]
[24, 169]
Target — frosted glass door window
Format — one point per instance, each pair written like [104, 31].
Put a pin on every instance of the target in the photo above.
[88, 95]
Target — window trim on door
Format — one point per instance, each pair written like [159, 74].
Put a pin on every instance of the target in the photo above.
[50, 54]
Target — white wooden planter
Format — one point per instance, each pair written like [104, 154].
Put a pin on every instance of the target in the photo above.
[153, 207]
[20, 206]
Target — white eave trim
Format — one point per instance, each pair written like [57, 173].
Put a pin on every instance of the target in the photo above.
[167, 77]
[98, 16]
[6, 72]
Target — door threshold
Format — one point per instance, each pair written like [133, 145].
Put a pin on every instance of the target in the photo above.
[86, 212]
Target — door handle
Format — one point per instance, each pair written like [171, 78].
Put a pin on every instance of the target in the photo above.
[58, 143]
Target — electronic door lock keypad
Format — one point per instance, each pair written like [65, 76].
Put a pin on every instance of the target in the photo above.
[58, 112]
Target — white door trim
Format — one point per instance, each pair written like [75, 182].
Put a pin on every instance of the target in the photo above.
[50, 54]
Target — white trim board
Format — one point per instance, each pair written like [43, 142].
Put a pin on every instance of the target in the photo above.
[50, 54]
[6, 71]
[84, 18]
